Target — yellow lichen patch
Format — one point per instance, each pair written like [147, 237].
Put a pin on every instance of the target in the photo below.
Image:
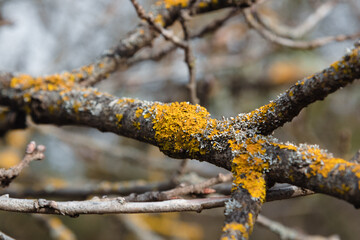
[234, 226]
[248, 167]
[344, 189]
[323, 164]
[137, 125]
[76, 106]
[177, 126]
[343, 65]
[88, 69]
[125, 101]
[147, 115]
[335, 65]
[48, 83]
[119, 117]
[159, 20]
[174, 3]
[203, 4]
[285, 146]
[138, 112]
[260, 112]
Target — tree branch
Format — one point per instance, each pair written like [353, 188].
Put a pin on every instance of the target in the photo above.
[106, 206]
[313, 88]
[251, 18]
[32, 153]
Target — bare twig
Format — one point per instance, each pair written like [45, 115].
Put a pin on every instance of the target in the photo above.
[286, 233]
[128, 154]
[189, 59]
[210, 27]
[297, 32]
[150, 20]
[180, 191]
[32, 153]
[250, 16]
[82, 191]
[107, 206]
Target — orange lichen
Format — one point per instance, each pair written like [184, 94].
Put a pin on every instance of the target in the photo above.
[179, 125]
[174, 3]
[76, 106]
[88, 69]
[285, 146]
[343, 64]
[248, 167]
[260, 112]
[159, 20]
[323, 164]
[125, 101]
[119, 117]
[139, 112]
[137, 125]
[48, 83]
[234, 226]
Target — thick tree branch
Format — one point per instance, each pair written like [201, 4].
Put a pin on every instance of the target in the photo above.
[240, 215]
[11, 120]
[313, 88]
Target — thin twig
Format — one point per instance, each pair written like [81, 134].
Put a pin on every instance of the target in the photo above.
[189, 60]
[168, 35]
[199, 188]
[32, 153]
[210, 27]
[250, 16]
[307, 25]
[107, 206]
[128, 154]
[77, 191]
[289, 233]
